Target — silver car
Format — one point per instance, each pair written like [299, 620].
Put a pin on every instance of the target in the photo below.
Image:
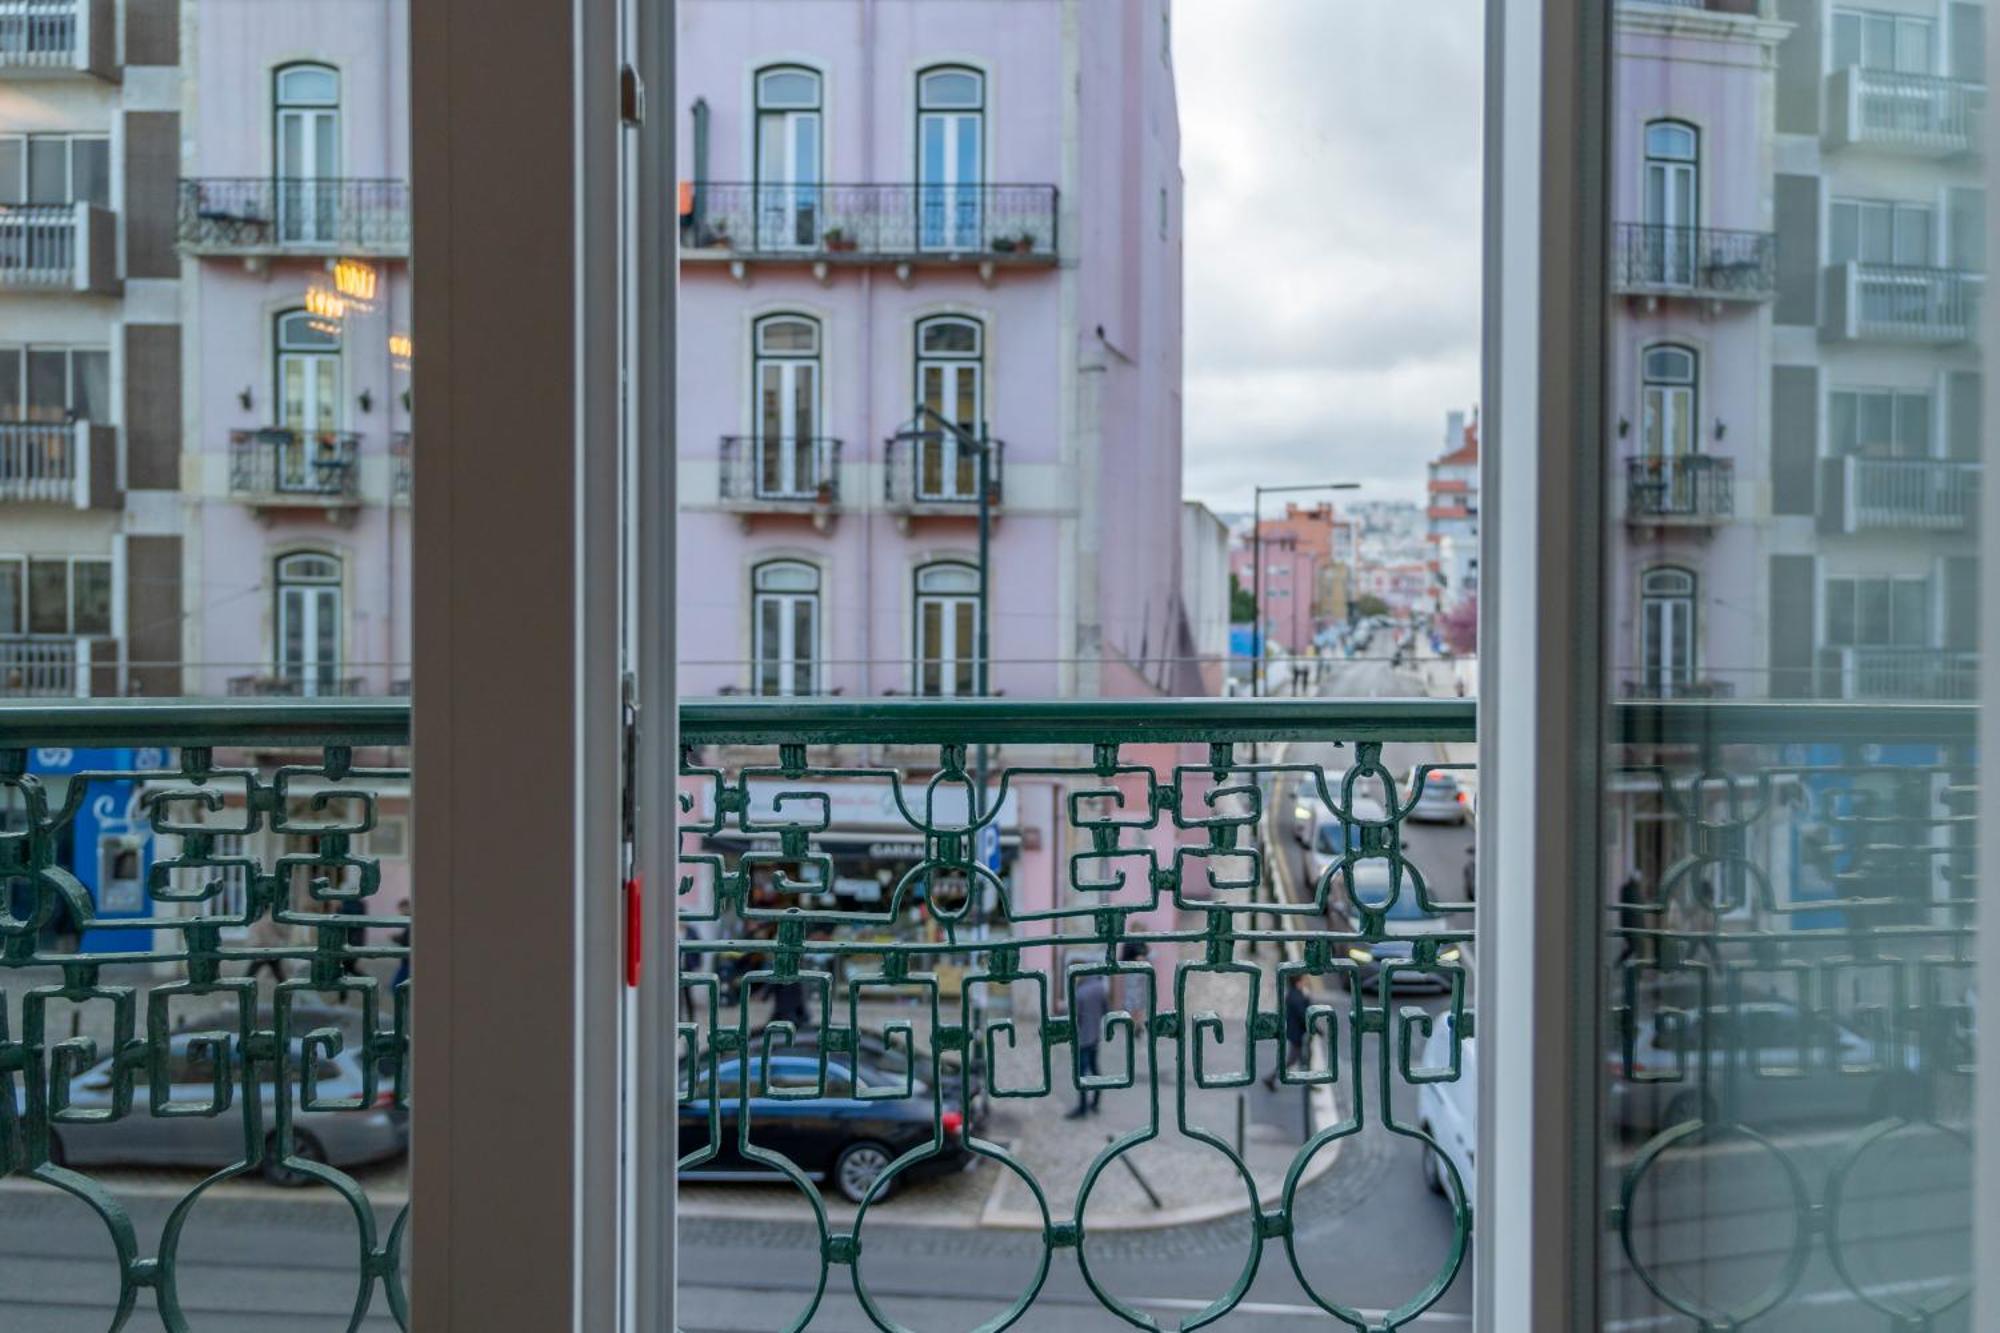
[1787, 1066]
[370, 1133]
[1441, 801]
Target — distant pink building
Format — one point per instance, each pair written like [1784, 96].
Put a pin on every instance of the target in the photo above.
[1295, 551]
[294, 236]
[910, 233]
[906, 207]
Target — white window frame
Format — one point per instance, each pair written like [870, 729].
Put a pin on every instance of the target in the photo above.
[21, 567]
[785, 465]
[951, 208]
[1669, 615]
[790, 194]
[788, 655]
[1896, 446]
[69, 354]
[69, 141]
[319, 595]
[940, 472]
[950, 604]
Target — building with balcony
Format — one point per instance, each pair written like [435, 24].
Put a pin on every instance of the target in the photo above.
[925, 294]
[91, 527]
[1299, 597]
[291, 213]
[1876, 396]
[1694, 270]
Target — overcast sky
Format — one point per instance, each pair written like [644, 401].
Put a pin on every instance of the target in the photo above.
[1332, 157]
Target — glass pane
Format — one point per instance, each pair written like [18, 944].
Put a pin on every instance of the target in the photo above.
[90, 374]
[1786, 877]
[13, 169]
[805, 643]
[964, 650]
[91, 596]
[48, 597]
[48, 170]
[91, 166]
[48, 385]
[770, 661]
[13, 603]
[930, 645]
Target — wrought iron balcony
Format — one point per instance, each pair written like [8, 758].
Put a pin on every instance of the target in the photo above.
[73, 464]
[1900, 303]
[267, 215]
[1699, 262]
[925, 474]
[295, 685]
[58, 248]
[1898, 494]
[785, 474]
[1920, 114]
[1891, 673]
[975, 975]
[1684, 489]
[277, 468]
[862, 224]
[41, 37]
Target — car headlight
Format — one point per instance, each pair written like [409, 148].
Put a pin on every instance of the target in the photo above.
[1448, 956]
[1360, 955]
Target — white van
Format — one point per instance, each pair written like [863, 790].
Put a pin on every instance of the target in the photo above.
[1449, 1112]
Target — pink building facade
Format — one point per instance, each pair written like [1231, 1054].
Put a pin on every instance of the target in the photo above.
[298, 418]
[912, 233]
[1693, 270]
[896, 205]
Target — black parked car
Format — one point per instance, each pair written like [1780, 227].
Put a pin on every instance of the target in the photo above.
[874, 1110]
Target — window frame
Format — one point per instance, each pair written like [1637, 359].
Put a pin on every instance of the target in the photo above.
[1898, 399]
[310, 670]
[335, 352]
[795, 203]
[964, 472]
[950, 602]
[963, 224]
[787, 599]
[23, 354]
[20, 566]
[70, 139]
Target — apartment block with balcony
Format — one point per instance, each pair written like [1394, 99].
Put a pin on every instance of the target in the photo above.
[932, 275]
[292, 217]
[1694, 266]
[91, 526]
[1876, 396]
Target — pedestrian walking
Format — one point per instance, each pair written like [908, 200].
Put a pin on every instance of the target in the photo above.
[789, 1004]
[1298, 1006]
[1093, 1001]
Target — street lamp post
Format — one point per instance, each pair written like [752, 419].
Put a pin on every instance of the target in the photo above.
[1257, 566]
[981, 446]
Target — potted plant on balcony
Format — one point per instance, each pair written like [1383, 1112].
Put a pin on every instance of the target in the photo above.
[1003, 245]
[838, 241]
[823, 493]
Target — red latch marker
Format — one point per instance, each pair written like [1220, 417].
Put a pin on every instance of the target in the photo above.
[635, 944]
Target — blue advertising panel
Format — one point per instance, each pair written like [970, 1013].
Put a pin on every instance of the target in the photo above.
[110, 847]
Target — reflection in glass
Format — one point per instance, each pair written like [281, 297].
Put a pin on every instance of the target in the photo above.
[1788, 876]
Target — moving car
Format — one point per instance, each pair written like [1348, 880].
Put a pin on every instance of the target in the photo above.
[1440, 801]
[1449, 1112]
[874, 1109]
[370, 1133]
[1404, 923]
[1332, 838]
[1790, 1065]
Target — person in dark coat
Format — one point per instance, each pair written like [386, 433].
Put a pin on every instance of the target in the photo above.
[1093, 1001]
[1297, 1007]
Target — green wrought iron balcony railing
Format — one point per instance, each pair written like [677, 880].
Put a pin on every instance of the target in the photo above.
[1146, 880]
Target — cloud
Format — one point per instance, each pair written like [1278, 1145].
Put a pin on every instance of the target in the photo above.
[1332, 156]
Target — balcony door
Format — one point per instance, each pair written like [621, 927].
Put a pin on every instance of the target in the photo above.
[308, 388]
[309, 624]
[308, 154]
[1666, 632]
[950, 382]
[785, 596]
[1673, 201]
[787, 407]
[947, 630]
[951, 132]
[789, 157]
